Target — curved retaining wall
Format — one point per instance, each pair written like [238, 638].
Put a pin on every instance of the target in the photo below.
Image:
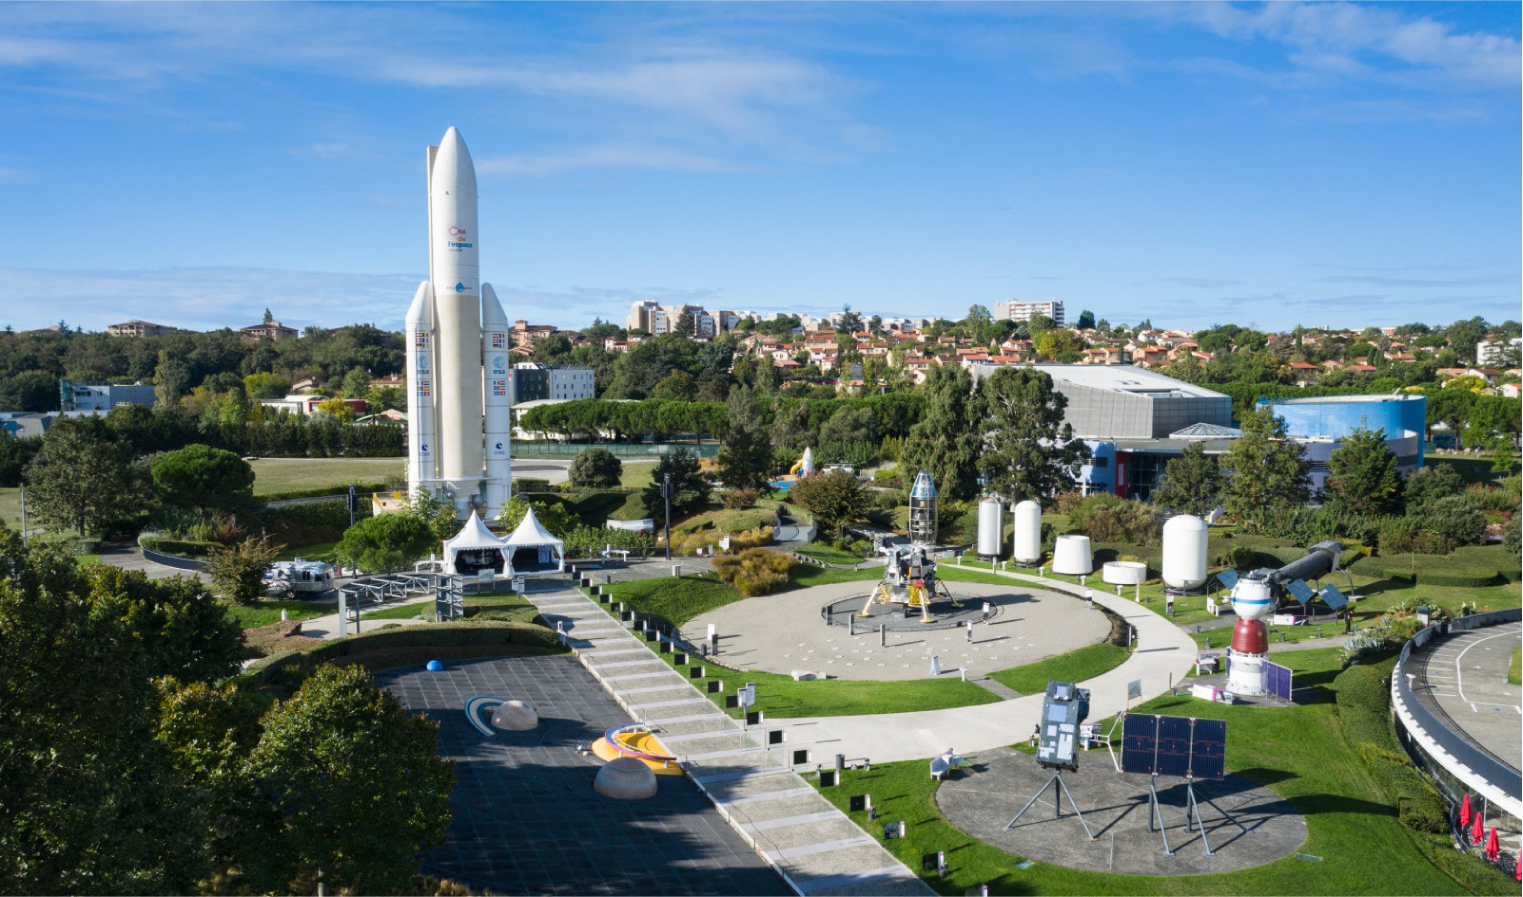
[1450, 749]
[170, 560]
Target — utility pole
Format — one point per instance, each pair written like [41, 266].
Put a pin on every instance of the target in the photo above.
[352, 503]
[23, 515]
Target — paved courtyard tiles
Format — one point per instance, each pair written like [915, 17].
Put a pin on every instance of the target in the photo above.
[526, 819]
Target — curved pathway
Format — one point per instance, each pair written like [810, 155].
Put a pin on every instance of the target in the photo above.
[1163, 656]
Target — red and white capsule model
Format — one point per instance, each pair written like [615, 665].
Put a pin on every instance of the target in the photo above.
[457, 421]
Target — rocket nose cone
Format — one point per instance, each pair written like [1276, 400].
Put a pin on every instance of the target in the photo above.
[453, 169]
[491, 308]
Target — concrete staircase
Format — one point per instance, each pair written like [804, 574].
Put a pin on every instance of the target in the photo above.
[815, 847]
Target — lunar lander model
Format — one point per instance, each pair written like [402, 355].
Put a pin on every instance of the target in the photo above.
[909, 579]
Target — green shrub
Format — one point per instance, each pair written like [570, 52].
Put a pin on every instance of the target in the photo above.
[1107, 518]
[755, 571]
[740, 499]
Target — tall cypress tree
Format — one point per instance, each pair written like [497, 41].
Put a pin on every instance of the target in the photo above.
[943, 442]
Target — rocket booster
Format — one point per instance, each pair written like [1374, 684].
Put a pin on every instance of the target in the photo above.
[455, 272]
[497, 387]
[421, 380]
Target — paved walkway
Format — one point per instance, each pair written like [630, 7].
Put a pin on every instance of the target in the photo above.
[814, 846]
[1162, 658]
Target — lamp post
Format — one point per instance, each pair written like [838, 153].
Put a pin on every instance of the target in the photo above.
[666, 493]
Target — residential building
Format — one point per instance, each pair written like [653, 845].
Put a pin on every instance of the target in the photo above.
[522, 333]
[273, 330]
[103, 396]
[1016, 310]
[1498, 351]
[135, 327]
[530, 382]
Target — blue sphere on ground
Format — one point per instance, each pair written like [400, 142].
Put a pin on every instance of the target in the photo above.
[435, 666]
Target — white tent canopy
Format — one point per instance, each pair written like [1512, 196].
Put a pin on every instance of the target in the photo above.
[478, 544]
[532, 535]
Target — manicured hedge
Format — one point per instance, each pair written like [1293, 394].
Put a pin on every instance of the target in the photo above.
[1488, 556]
[339, 490]
[484, 634]
[184, 548]
[1461, 571]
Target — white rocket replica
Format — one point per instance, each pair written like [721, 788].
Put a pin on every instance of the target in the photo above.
[457, 352]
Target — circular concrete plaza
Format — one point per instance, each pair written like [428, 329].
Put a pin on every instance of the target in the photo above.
[983, 800]
[787, 633]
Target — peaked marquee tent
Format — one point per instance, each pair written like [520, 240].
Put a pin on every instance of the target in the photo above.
[474, 549]
[532, 546]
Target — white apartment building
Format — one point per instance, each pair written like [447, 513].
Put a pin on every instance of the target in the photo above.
[1016, 310]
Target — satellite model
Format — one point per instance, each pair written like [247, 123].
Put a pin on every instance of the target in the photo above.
[1065, 707]
[1255, 597]
[909, 578]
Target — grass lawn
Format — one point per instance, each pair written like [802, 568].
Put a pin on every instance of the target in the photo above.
[312, 551]
[636, 474]
[1471, 468]
[1515, 668]
[675, 600]
[286, 474]
[726, 521]
[402, 612]
[1075, 666]
[10, 508]
[267, 611]
[828, 555]
[1299, 752]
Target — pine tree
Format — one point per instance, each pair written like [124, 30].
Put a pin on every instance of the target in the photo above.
[1192, 483]
[1362, 475]
[943, 442]
[745, 458]
[1029, 452]
[1267, 473]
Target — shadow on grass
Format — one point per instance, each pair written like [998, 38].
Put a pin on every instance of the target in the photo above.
[1381, 586]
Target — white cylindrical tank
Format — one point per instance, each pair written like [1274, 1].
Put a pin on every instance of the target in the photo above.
[1071, 556]
[1184, 552]
[1251, 599]
[1124, 573]
[991, 527]
[1027, 548]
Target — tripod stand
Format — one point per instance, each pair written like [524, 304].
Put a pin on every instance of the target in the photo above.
[1192, 815]
[1057, 802]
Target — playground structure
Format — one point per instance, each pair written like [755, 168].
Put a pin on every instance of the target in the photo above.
[909, 579]
[637, 741]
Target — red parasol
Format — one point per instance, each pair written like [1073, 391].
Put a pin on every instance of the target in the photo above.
[1465, 811]
[1492, 847]
[1477, 831]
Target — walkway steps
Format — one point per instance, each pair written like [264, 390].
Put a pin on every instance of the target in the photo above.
[812, 845]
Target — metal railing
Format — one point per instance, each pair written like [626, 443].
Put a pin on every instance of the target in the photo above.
[1456, 744]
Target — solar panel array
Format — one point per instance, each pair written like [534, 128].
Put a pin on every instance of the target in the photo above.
[1333, 597]
[1228, 578]
[1300, 591]
[1277, 680]
[1173, 746]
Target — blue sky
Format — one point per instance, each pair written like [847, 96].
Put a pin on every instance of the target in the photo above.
[1320, 164]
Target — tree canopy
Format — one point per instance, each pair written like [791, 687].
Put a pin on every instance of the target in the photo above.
[1191, 484]
[1268, 474]
[1028, 451]
[199, 476]
[1362, 475]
